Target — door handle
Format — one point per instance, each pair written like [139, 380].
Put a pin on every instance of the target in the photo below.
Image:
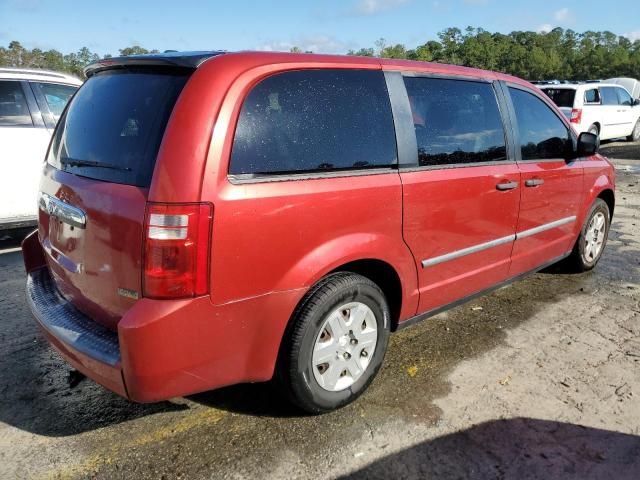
[534, 182]
[506, 186]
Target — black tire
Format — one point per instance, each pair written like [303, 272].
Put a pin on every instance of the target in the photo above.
[594, 129]
[635, 135]
[579, 261]
[295, 370]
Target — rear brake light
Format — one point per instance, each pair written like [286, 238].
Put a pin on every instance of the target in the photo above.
[576, 115]
[176, 250]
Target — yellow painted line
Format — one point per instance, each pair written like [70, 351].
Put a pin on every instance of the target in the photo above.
[108, 455]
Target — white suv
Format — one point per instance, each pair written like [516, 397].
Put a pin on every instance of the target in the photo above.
[31, 102]
[601, 108]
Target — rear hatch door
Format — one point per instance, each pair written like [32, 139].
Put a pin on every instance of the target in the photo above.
[95, 186]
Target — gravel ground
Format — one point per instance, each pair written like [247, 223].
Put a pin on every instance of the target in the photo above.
[538, 380]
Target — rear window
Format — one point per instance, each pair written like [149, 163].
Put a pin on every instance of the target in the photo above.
[562, 97]
[315, 121]
[114, 125]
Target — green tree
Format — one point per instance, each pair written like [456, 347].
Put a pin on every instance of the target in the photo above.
[133, 50]
[363, 52]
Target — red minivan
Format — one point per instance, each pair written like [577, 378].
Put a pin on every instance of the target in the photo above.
[214, 218]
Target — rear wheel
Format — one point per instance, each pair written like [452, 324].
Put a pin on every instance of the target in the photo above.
[594, 129]
[635, 135]
[336, 343]
[593, 238]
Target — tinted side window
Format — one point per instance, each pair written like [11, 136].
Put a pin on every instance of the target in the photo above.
[623, 97]
[592, 96]
[542, 133]
[455, 121]
[56, 96]
[609, 96]
[315, 120]
[563, 97]
[13, 105]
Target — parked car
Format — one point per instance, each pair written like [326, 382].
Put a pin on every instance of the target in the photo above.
[214, 218]
[630, 84]
[605, 109]
[31, 102]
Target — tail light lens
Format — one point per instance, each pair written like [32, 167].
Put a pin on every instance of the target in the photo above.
[576, 115]
[176, 250]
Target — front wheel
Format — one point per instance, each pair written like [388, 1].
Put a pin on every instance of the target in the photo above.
[593, 237]
[635, 135]
[336, 343]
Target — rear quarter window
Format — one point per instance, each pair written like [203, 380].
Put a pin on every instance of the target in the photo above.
[314, 121]
[592, 96]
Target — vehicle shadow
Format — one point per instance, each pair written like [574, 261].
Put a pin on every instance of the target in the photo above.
[519, 448]
[35, 393]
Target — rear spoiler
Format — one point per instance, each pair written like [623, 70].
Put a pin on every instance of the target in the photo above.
[189, 60]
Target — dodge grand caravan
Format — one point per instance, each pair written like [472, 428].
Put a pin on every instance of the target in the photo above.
[214, 218]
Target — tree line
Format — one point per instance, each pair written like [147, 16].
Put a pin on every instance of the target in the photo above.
[15, 55]
[558, 54]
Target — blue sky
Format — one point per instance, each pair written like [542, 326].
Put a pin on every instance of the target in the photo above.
[329, 26]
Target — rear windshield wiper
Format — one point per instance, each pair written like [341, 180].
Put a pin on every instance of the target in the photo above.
[74, 162]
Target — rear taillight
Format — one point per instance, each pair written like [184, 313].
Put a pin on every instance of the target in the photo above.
[576, 115]
[176, 249]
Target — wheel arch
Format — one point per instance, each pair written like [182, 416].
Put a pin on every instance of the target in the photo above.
[609, 197]
[385, 276]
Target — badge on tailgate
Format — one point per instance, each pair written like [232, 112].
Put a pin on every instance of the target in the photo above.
[62, 211]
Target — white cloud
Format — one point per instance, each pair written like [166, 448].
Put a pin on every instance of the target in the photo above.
[544, 28]
[371, 7]
[562, 15]
[313, 43]
[633, 36]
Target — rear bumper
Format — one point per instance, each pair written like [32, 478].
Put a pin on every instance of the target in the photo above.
[89, 347]
[163, 348]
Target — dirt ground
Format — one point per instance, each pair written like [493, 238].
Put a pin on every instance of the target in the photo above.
[538, 380]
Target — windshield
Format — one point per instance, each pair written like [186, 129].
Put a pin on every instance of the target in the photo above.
[113, 126]
[562, 97]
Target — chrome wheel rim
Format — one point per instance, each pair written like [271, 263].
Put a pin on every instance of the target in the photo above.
[594, 237]
[636, 131]
[344, 346]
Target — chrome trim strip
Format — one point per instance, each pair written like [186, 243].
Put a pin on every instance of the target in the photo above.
[494, 243]
[467, 251]
[62, 211]
[546, 226]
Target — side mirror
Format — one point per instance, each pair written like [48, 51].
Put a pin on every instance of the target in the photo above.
[588, 144]
[636, 101]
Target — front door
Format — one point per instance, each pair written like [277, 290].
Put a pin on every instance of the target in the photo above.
[551, 185]
[461, 198]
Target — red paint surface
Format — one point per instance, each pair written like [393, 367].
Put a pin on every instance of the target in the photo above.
[271, 241]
